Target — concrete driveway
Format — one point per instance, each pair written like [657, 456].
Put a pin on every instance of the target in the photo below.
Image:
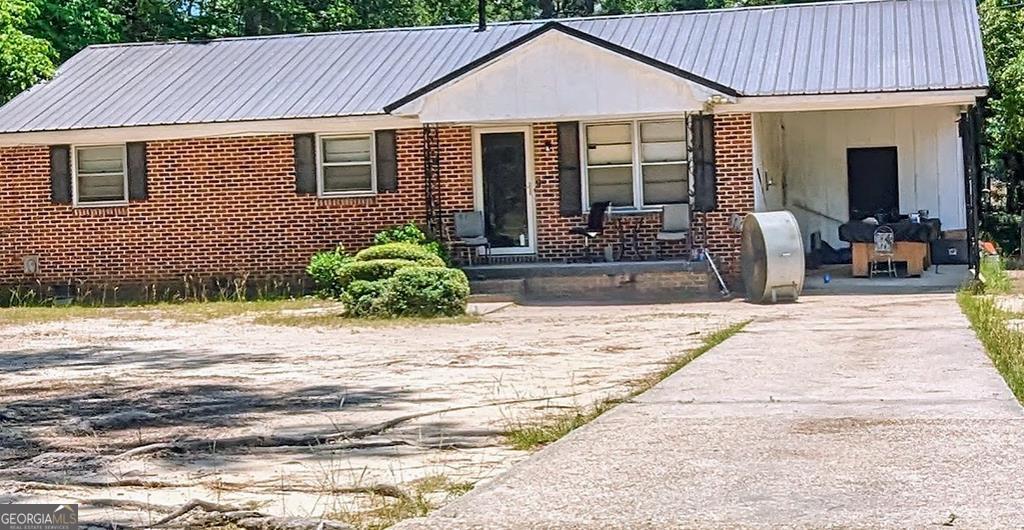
[839, 411]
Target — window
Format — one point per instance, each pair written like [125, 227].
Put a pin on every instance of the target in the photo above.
[637, 164]
[346, 165]
[100, 176]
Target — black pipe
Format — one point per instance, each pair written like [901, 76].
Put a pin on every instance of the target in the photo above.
[481, 13]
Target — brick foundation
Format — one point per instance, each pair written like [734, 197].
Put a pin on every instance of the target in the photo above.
[227, 208]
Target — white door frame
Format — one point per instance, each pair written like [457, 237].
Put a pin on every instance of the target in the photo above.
[478, 196]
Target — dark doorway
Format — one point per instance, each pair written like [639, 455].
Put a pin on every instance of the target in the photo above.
[873, 182]
[503, 167]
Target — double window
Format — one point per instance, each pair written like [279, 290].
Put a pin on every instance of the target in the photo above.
[637, 164]
[101, 177]
[346, 165]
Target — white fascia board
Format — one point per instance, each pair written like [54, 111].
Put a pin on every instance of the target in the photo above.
[876, 100]
[148, 133]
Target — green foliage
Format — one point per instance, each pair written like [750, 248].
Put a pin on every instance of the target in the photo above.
[1003, 229]
[379, 269]
[70, 25]
[24, 59]
[1002, 339]
[425, 292]
[410, 233]
[361, 296]
[403, 251]
[324, 268]
[994, 276]
[1003, 36]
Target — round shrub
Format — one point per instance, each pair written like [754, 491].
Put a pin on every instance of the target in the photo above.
[410, 233]
[370, 271]
[425, 292]
[361, 297]
[403, 251]
[323, 268]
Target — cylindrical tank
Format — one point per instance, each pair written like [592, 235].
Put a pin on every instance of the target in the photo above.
[772, 257]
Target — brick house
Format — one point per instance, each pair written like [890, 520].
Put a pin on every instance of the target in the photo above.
[148, 163]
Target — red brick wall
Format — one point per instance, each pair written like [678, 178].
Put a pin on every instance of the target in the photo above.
[218, 207]
[228, 207]
[734, 161]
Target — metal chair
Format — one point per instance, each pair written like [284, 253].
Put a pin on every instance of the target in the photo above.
[471, 232]
[595, 226]
[675, 225]
[885, 247]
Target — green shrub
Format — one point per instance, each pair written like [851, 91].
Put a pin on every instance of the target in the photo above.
[361, 296]
[425, 292]
[324, 267]
[370, 271]
[402, 251]
[410, 233]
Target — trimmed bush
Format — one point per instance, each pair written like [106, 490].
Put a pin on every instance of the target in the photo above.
[410, 233]
[425, 292]
[402, 251]
[323, 268]
[361, 296]
[370, 271]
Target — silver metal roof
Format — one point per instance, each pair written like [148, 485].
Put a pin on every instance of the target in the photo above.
[826, 48]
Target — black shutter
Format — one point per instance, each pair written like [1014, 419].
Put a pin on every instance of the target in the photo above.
[387, 161]
[60, 174]
[705, 186]
[305, 164]
[569, 181]
[138, 189]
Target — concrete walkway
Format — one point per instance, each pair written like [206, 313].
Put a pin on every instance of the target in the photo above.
[839, 411]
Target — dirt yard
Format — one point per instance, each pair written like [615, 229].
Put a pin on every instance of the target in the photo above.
[292, 412]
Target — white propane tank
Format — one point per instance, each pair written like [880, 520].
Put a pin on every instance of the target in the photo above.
[772, 257]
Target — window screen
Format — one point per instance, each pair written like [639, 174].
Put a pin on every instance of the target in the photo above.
[610, 163]
[346, 165]
[100, 174]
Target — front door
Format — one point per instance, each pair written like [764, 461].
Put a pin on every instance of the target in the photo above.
[503, 190]
[873, 181]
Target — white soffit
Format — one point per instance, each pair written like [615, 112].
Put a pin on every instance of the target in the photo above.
[558, 76]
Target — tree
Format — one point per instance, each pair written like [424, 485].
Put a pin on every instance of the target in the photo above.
[1002, 27]
[24, 59]
[70, 25]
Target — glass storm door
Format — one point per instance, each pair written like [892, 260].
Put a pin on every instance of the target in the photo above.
[505, 190]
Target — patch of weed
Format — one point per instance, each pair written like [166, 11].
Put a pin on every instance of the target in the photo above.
[424, 495]
[1003, 341]
[538, 434]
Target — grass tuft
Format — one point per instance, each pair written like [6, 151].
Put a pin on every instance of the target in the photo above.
[994, 278]
[534, 435]
[424, 496]
[1000, 334]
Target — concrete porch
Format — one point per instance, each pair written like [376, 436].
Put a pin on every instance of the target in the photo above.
[941, 279]
[612, 282]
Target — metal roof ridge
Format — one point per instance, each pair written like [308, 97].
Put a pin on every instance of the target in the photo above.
[473, 25]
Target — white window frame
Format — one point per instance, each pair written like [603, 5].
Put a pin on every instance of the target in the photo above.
[636, 162]
[75, 202]
[320, 165]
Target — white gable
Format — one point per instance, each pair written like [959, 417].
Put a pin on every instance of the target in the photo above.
[557, 76]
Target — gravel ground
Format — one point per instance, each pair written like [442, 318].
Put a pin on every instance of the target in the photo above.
[76, 393]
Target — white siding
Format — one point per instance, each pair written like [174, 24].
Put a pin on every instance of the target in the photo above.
[559, 77]
[804, 153]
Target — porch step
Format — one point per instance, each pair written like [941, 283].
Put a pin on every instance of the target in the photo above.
[504, 290]
[491, 298]
[597, 282]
